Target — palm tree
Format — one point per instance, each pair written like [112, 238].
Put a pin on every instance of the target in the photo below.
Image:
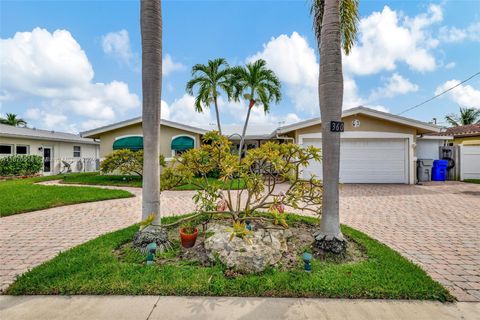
[335, 24]
[210, 79]
[12, 120]
[151, 29]
[466, 116]
[257, 84]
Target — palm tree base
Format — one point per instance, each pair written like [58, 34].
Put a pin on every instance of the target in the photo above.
[152, 233]
[331, 243]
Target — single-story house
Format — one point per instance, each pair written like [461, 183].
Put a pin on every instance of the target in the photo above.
[464, 135]
[60, 151]
[377, 147]
[174, 137]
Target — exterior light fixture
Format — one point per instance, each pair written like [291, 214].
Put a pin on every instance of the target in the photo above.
[307, 259]
[151, 249]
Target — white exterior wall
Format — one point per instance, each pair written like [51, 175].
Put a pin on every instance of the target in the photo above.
[60, 150]
[428, 148]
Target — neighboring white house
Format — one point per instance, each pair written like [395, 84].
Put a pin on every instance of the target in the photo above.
[61, 152]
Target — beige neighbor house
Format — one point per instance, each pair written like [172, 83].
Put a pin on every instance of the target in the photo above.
[61, 152]
[377, 147]
[174, 137]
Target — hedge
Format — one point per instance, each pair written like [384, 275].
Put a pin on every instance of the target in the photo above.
[20, 165]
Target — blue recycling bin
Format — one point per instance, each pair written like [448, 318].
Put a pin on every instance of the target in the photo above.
[439, 170]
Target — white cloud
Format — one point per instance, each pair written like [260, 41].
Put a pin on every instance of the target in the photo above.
[395, 85]
[463, 95]
[295, 63]
[183, 110]
[387, 37]
[450, 65]
[49, 120]
[117, 44]
[53, 69]
[454, 34]
[169, 66]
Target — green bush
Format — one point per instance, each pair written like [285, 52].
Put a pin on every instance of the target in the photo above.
[20, 165]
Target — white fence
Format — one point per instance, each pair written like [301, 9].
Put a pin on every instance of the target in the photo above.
[66, 165]
[469, 162]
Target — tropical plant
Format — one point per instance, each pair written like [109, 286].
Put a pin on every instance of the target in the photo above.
[20, 165]
[259, 86]
[335, 25]
[12, 119]
[466, 116]
[262, 170]
[151, 33]
[126, 161]
[210, 79]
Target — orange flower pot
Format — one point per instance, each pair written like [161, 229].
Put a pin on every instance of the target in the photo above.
[188, 239]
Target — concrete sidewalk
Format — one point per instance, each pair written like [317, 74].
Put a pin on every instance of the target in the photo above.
[155, 307]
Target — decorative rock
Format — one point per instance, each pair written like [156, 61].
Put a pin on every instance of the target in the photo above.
[266, 250]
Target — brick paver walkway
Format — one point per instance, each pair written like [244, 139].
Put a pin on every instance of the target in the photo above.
[436, 226]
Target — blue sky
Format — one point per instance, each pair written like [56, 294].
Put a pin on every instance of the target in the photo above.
[74, 65]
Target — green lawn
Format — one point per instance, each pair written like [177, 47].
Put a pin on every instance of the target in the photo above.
[472, 180]
[134, 181]
[23, 195]
[93, 268]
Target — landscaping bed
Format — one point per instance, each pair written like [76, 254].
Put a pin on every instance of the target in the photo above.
[108, 265]
[24, 195]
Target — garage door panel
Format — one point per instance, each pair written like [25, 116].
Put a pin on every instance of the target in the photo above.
[366, 161]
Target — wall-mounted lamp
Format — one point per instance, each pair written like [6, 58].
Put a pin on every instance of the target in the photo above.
[40, 148]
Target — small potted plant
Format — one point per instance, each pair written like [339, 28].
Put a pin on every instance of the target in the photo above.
[188, 235]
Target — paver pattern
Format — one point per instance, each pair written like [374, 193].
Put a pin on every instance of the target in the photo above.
[435, 225]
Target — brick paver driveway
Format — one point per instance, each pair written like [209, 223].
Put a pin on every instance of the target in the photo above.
[436, 226]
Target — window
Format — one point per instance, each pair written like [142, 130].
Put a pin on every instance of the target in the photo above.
[180, 144]
[5, 149]
[21, 149]
[77, 151]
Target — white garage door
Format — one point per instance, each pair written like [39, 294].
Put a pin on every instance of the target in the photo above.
[470, 162]
[366, 160]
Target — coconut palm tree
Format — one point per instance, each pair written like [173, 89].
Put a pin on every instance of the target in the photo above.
[466, 116]
[335, 25]
[151, 29]
[12, 119]
[257, 84]
[210, 79]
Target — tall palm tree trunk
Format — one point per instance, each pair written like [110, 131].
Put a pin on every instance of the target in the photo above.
[244, 131]
[330, 89]
[218, 115]
[151, 28]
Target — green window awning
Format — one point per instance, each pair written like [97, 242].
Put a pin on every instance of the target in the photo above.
[182, 143]
[131, 143]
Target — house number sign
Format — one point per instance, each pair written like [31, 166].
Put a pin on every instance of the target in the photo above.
[337, 126]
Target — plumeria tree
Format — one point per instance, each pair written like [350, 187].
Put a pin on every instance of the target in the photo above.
[263, 170]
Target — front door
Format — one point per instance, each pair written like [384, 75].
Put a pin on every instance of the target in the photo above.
[47, 160]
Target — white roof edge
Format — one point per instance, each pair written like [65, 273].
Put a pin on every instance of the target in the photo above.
[23, 136]
[136, 120]
[369, 112]
[427, 137]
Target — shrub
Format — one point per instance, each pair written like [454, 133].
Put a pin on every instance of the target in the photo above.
[125, 161]
[20, 165]
[262, 170]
